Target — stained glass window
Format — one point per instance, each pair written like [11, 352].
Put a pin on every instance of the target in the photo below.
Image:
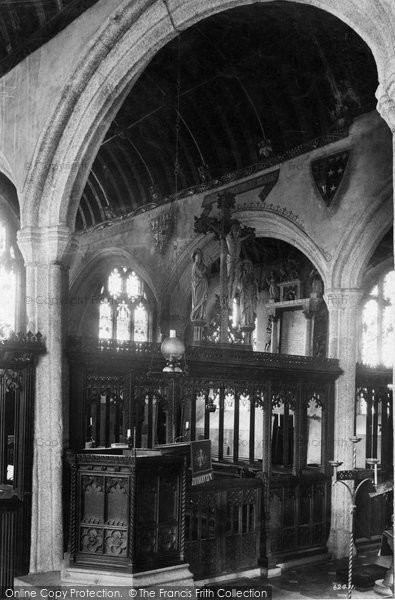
[377, 340]
[105, 320]
[140, 323]
[8, 283]
[115, 283]
[123, 319]
[125, 313]
[133, 286]
[8, 300]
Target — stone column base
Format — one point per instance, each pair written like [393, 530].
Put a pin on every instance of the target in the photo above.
[383, 590]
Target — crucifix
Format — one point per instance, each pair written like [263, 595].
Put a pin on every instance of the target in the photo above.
[230, 235]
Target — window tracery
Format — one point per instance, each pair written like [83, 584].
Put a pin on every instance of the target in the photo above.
[377, 344]
[124, 312]
[8, 282]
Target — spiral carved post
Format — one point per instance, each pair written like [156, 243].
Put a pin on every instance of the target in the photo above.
[351, 554]
[132, 522]
[183, 507]
[357, 478]
[73, 505]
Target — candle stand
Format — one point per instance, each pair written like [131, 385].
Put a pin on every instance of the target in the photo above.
[356, 477]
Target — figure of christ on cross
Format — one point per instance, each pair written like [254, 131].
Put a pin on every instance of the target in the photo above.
[229, 233]
[233, 260]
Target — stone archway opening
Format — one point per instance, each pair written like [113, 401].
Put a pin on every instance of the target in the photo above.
[119, 77]
[52, 196]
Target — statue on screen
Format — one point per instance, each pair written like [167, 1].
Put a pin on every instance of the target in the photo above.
[272, 286]
[199, 287]
[248, 295]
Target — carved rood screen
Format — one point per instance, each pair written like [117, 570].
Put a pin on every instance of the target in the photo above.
[282, 422]
[104, 409]
[374, 427]
[269, 418]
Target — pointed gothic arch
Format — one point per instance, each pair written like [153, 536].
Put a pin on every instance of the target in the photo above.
[121, 50]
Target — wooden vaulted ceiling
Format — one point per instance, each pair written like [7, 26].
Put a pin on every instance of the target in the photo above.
[278, 69]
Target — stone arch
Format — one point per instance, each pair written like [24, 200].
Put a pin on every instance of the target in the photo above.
[269, 224]
[91, 268]
[359, 244]
[9, 200]
[5, 168]
[81, 298]
[266, 224]
[121, 49]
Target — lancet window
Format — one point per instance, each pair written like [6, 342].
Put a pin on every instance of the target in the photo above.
[377, 346]
[8, 282]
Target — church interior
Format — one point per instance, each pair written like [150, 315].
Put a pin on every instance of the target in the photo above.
[197, 293]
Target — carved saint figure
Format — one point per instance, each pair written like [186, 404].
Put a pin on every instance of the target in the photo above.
[233, 262]
[271, 284]
[199, 287]
[248, 295]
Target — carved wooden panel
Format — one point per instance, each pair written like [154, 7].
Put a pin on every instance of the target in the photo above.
[91, 540]
[92, 499]
[117, 497]
[116, 542]
[223, 526]
[299, 513]
[126, 512]
[158, 525]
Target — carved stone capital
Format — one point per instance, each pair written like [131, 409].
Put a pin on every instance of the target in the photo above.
[343, 299]
[311, 306]
[47, 245]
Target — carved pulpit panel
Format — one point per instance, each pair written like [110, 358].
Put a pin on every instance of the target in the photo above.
[92, 497]
[116, 543]
[158, 535]
[168, 498]
[147, 501]
[91, 540]
[117, 501]
[126, 511]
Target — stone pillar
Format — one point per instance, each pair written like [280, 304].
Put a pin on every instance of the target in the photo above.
[46, 252]
[342, 344]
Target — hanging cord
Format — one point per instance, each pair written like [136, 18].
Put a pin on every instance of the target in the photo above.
[176, 160]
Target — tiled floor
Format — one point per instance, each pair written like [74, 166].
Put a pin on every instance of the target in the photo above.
[320, 580]
[314, 581]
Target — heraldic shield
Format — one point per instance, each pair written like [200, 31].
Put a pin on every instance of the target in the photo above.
[328, 174]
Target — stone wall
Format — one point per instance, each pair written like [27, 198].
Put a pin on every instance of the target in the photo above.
[294, 211]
